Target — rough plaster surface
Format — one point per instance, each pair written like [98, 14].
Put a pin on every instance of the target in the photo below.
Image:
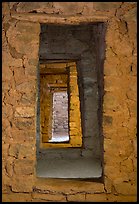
[20, 37]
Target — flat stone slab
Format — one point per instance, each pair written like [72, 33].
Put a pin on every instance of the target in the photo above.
[70, 168]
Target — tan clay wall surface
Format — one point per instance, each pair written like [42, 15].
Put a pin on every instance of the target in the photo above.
[20, 44]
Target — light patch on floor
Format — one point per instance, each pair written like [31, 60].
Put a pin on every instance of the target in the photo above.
[69, 168]
[59, 138]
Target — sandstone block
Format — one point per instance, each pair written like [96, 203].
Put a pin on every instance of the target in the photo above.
[22, 184]
[28, 27]
[121, 198]
[133, 69]
[6, 85]
[110, 146]
[5, 188]
[111, 62]
[109, 69]
[116, 158]
[135, 145]
[14, 53]
[88, 8]
[27, 151]
[23, 136]
[17, 197]
[112, 83]
[18, 72]
[24, 167]
[39, 200]
[7, 111]
[135, 165]
[5, 8]
[132, 89]
[96, 197]
[5, 148]
[11, 4]
[5, 178]
[132, 127]
[31, 70]
[6, 70]
[119, 117]
[7, 136]
[14, 150]
[111, 170]
[24, 112]
[9, 167]
[69, 187]
[33, 49]
[49, 197]
[111, 101]
[108, 184]
[109, 132]
[31, 66]
[40, 7]
[28, 98]
[24, 123]
[12, 97]
[124, 48]
[125, 148]
[132, 30]
[122, 133]
[68, 8]
[125, 188]
[122, 27]
[26, 86]
[131, 15]
[76, 198]
[133, 175]
[127, 165]
[21, 35]
[24, 27]
[8, 60]
[33, 61]
[106, 6]
[5, 123]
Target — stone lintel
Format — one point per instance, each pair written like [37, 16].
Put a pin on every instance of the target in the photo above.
[51, 18]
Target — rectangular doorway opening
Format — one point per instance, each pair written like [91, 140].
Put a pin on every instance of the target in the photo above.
[60, 130]
[70, 97]
[60, 117]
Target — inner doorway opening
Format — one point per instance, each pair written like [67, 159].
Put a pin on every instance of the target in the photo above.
[60, 132]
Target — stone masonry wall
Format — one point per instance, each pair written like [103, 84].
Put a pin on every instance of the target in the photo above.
[20, 45]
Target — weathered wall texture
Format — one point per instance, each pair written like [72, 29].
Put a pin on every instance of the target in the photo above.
[20, 41]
